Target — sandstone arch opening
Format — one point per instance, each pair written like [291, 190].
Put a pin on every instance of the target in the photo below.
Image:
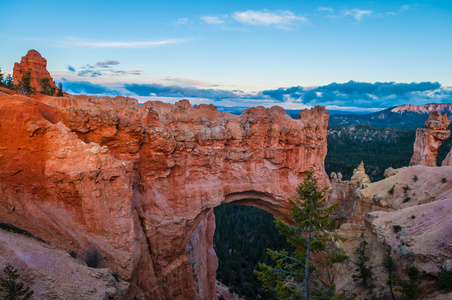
[228, 245]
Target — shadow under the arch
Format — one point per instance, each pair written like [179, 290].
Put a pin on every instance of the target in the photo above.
[242, 235]
[238, 235]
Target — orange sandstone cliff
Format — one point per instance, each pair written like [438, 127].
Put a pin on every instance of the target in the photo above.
[37, 64]
[136, 181]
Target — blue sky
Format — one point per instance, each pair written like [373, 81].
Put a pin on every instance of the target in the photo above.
[350, 55]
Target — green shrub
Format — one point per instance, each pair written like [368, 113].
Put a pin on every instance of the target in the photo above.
[443, 180]
[10, 289]
[444, 281]
[391, 190]
[415, 178]
[93, 258]
[410, 288]
[397, 228]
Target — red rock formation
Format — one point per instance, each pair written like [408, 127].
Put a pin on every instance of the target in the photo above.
[135, 181]
[429, 139]
[37, 64]
[204, 263]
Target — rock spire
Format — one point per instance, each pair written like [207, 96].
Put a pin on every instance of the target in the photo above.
[37, 64]
[429, 139]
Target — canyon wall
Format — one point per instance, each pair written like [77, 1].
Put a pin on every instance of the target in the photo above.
[134, 181]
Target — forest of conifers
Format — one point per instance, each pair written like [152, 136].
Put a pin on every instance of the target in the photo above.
[243, 233]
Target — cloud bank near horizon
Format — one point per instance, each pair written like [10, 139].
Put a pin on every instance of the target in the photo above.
[350, 95]
[364, 94]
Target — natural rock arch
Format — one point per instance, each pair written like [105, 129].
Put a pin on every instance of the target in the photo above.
[135, 180]
[199, 245]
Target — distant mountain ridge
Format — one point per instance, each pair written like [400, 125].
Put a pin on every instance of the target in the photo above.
[426, 109]
[404, 117]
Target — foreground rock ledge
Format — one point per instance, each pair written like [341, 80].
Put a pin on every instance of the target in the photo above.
[135, 181]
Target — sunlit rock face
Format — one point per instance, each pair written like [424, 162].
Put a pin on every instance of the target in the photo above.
[429, 139]
[135, 181]
[37, 64]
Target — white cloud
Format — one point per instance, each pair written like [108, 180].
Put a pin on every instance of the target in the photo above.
[266, 17]
[212, 20]
[405, 7]
[357, 13]
[325, 9]
[76, 42]
[187, 81]
[181, 21]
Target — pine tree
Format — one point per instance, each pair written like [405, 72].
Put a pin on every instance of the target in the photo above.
[46, 87]
[60, 90]
[24, 85]
[1, 78]
[9, 82]
[303, 273]
[410, 288]
[364, 273]
[391, 268]
[10, 289]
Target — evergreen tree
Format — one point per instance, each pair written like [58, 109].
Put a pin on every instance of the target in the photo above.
[46, 87]
[410, 288]
[303, 273]
[1, 78]
[9, 82]
[60, 90]
[24, 85]
[391, 268]
[10, 289]
[364, 273]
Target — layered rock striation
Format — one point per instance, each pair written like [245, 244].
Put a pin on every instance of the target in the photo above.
[135, 181]
[37, 64]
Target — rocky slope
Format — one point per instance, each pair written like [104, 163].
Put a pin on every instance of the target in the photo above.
[135, 181]
[53, 274]
[407, 215]
[421, 208]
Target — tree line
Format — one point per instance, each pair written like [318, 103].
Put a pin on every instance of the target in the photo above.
[24, 85]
